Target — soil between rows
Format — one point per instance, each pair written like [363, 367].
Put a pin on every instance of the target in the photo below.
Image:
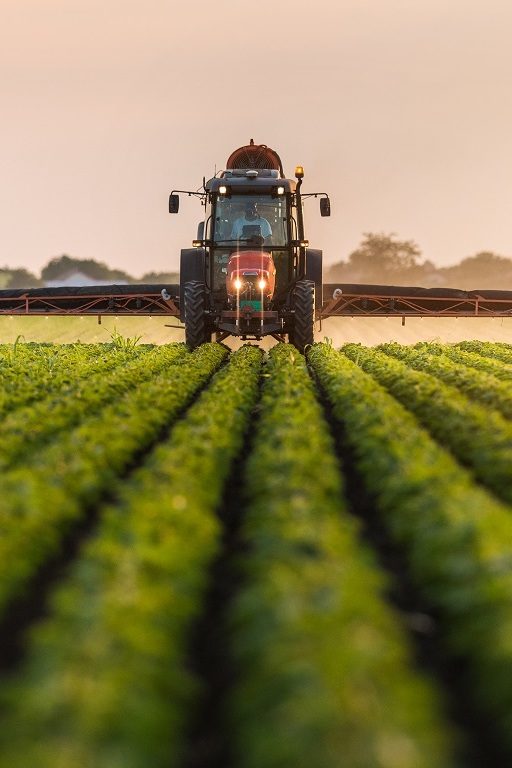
[210, 650]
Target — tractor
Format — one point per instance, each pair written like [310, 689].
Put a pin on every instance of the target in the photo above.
[251, 272]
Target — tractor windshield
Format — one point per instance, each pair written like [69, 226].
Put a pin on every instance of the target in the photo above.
[244, 218]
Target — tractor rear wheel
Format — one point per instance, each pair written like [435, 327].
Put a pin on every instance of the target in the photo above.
[304, 320]
[196, 325]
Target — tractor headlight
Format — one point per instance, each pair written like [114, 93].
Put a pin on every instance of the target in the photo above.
[262, 284]
[237, 283]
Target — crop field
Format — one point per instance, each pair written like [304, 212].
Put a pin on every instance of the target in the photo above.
[255, 559]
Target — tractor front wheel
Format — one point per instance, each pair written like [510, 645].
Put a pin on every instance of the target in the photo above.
[304, 319]
[196, 327]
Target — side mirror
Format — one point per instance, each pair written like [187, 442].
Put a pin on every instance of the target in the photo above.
[174, 203]
[325, 206]
[200, 230]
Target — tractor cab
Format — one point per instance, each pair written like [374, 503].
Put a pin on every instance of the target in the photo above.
[250, 259]
[252, 228]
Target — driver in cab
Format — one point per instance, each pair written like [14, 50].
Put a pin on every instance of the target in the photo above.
[250, 218]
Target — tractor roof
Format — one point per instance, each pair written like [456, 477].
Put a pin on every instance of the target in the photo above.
[250, 181]
[252, 169]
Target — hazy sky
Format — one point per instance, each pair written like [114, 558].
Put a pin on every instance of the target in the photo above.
[401, 110]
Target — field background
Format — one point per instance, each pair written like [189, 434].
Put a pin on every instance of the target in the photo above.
[152, 330]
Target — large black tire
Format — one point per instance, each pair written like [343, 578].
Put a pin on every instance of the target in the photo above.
[304, 315]
[196, 327]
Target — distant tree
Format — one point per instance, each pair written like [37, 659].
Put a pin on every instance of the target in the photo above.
[483, 270]
[96, 270]
[160, 277]
[382, 256]
[22, 278]
[5, 276]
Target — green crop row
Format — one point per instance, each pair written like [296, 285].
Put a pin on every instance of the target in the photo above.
[37, 370]
[457, 540]
[27, 429]
[48, 357]
[477, 385]
[106, 684]
[323, 667]
[496, 350]
[489, 365]
[480, 438]
[42, 500]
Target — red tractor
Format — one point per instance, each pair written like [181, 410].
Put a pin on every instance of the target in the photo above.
[251, 273]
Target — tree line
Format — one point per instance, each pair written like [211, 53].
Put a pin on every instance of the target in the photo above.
[384, 259]
[62, 266]
[380, 258]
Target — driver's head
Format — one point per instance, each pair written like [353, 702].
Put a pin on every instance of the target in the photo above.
[251, 210]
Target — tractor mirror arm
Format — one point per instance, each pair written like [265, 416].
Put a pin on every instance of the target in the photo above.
[174, 198]
[187, 192]
[325, 203]
[315, 194]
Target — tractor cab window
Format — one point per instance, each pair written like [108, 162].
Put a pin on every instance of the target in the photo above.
[243, 218]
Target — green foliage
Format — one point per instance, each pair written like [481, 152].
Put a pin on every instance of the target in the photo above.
[107, 682]
[478, 385]
[454, 536]
[75, 401]
[43, 498]
[496, 350]
[479, 437]
[322, 662]
[496, 368]
[32, 372]
[146, 437]
[124, 342]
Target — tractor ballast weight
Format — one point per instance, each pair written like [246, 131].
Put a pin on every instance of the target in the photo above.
[251, 272]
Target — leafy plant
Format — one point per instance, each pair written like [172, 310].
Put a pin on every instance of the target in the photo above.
[477, 384]
[43, 498]
[124, 342]
[106, 682]
[495, 350]
[323, 667]
[454, 536]
[479, 437]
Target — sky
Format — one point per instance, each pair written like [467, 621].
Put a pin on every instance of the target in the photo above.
[401, 111]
